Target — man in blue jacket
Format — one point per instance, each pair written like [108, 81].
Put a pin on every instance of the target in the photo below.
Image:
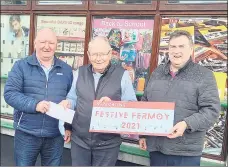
[32, 83]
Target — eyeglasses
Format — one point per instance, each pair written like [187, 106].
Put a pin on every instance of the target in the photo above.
[100, 55]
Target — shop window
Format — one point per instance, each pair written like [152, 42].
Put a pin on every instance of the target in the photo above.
[44, 2]
[70, 31]
[13, 2]
[210, 50]
[14, 46]
[131, 41]
[209, 36]
[123, 1]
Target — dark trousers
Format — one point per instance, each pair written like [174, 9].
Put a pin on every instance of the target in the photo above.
[27, 148]
[159, 159]
[86, 157]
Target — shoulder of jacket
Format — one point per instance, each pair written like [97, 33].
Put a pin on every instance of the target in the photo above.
[201, 70]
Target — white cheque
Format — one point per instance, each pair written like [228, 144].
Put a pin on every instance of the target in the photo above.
[57, 111]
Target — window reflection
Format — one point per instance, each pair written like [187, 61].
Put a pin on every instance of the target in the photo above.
[13, 2]
[124, 1]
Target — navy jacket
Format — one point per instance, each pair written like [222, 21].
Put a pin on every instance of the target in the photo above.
[27, 85]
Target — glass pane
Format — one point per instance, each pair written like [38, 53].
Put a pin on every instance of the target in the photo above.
[13, 2]
[209, 35]
[75, 2]
[131, 41]
[123, 1]
[70, 31]
[14, 46]
[196, 2]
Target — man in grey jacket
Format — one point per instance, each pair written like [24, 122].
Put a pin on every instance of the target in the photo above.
[193, 89]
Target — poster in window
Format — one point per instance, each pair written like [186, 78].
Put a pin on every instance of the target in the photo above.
[70, 32]
[14, 40]
[14, 46]
[210, 40]
[131, 41]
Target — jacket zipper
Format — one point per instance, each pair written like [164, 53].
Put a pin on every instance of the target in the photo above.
[46, 94]
[19, 120]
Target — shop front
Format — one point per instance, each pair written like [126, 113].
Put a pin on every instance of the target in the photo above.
[138, 32]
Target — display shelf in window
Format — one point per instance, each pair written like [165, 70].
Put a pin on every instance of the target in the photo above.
[70, 32]
[123, 5]
[213, 5]
[60, 5]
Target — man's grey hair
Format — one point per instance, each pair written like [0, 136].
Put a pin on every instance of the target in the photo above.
[99, 39]
[178, 33]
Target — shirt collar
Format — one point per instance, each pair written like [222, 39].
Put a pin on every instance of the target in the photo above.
[168, 63]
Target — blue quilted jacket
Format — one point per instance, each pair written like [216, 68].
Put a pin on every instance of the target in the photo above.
[27, 85]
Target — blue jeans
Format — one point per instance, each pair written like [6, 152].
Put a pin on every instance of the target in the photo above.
[159, 159]
[27, 148]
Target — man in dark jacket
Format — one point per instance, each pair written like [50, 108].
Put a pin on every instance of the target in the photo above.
[32, 83]
[193, 89]
[98, 81]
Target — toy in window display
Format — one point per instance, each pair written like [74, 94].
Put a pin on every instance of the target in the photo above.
[141, 84]
[129, 67]
[147, 42]
[115, 38]
[128, 53]
[66, 46]
[59, 47]
[139, 43]
[73, 47]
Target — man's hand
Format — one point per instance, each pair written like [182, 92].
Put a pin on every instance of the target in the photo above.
[177, 130]
[142, 144]
[42, 106]
[67, 136]
[104, 99]
[65, 103]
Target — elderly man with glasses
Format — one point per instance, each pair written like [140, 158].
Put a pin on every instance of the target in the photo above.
[102, 81]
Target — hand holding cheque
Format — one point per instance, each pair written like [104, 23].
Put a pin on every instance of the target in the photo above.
[143, 118]
[61, 111]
